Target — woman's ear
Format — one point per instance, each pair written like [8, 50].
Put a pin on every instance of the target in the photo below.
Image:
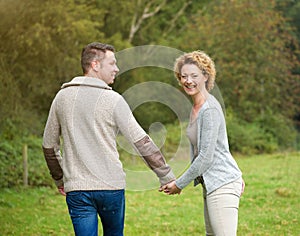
[206, 75]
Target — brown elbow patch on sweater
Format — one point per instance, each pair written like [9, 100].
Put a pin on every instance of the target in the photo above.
[152, 156]
[52, 163]
[146, 147]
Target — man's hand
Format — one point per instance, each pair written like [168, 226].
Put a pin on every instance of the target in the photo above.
[61, 190]
[243, 186]
[170, 188]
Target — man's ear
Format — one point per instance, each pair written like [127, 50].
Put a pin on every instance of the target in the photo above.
[95, 65]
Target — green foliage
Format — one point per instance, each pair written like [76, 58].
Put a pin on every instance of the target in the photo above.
[40, 48]
[38, 173]
[248, 138]
[11, 164]
[269, 132]
[150, 113]
[290, 9]
[251, 44]
[279, 127]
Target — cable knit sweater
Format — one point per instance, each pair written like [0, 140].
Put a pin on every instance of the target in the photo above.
[88, 115]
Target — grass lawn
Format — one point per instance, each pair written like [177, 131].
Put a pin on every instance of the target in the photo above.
[270, 205]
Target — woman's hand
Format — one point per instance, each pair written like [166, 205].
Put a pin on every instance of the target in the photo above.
[170, 188]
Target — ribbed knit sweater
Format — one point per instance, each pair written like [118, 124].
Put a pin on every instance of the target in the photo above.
[213, 161]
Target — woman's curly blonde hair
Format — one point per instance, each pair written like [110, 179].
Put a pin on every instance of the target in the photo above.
[200, 59]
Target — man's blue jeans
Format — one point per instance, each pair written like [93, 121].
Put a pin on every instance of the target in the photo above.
[85, 206]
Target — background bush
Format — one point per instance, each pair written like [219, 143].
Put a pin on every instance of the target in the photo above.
[267, 134]
[11, 161]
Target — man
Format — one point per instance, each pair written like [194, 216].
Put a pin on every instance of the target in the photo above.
[88, 115]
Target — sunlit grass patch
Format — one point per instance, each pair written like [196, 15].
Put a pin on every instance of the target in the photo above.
[269, 205]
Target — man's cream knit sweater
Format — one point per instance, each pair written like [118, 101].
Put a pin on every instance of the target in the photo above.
[86, 115]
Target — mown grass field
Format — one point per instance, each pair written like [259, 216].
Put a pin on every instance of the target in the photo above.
[270, 205]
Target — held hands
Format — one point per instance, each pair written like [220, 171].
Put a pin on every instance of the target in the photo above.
[170, 188]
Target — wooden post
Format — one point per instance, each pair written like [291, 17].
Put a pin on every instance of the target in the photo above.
[25, 165]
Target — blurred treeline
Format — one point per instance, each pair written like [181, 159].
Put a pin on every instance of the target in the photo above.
[255, 45]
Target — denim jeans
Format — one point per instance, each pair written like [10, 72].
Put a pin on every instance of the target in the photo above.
[221, 209]
[85, 206]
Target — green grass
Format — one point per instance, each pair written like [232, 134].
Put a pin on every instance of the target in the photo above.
[270, 205]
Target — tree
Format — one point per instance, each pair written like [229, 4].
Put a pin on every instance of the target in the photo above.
[251, 45]
[142, 22]
[41, 45]
[290, 9]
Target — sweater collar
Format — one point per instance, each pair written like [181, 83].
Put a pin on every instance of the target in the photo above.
[86, 81]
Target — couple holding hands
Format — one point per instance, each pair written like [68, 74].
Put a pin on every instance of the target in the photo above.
[87, 115]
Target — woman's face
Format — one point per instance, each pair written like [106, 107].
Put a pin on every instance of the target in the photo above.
[192, 79]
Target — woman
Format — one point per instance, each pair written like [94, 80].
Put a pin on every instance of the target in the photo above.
[212, 163]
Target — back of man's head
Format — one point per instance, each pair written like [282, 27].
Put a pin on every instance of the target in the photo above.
[93, 51]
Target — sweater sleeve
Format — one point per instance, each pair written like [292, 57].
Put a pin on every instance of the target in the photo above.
[154, 159]
[144, 145]
[208, 129]
[51, 146]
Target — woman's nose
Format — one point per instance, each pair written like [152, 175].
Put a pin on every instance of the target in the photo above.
[188, 79]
